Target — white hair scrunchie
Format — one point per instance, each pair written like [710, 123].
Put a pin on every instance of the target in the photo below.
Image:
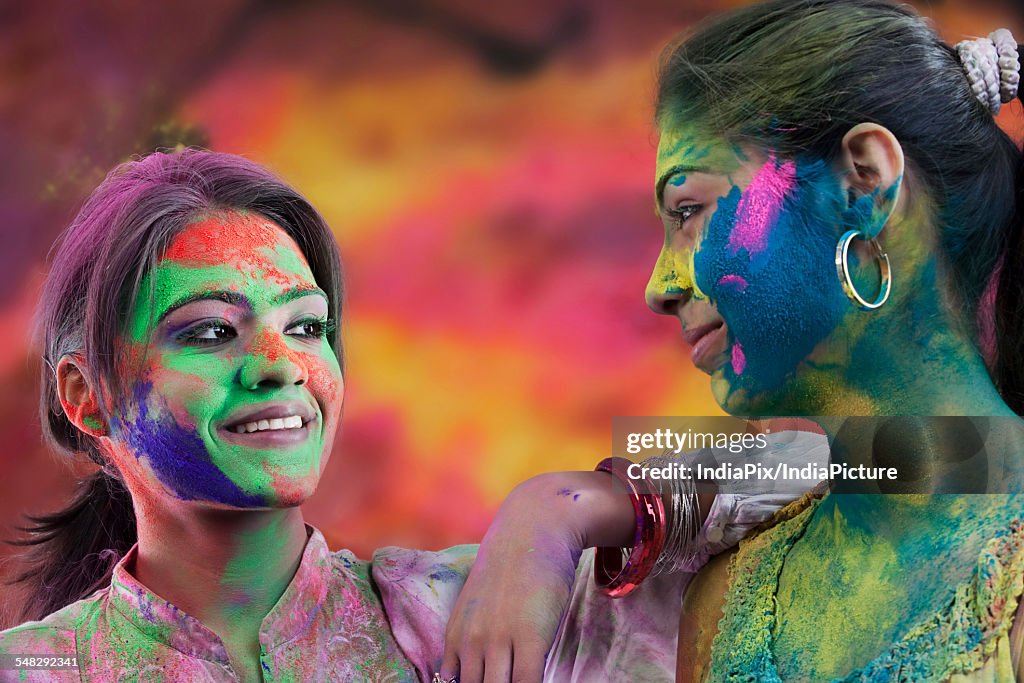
[992, 66]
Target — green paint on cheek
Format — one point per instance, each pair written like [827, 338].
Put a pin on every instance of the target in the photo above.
[196, 387]
[92, 422]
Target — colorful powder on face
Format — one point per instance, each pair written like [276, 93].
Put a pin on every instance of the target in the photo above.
[775, 284]
[178, 457]
[731, 283]
[252, 243]
[272, 347]
[673, 274]
[188, 390]
[760, 205]
[739, 361]
[290, 488]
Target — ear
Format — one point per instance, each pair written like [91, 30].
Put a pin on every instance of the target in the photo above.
[78, 398]
[871, 165]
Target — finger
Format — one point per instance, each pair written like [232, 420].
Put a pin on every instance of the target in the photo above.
[450, 661]
[528, 662]
[498, 664]
[470, 669]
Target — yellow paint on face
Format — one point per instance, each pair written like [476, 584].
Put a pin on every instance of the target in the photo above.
[673, 273]
[690, 147]
[682, 150]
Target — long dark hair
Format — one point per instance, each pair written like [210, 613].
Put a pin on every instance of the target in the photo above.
[796, 75]
[96, 273]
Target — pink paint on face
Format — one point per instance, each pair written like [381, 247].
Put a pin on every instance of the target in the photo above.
[760, 205]
[739, 361]
[733, 284]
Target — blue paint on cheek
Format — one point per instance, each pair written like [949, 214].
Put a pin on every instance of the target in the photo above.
[792, 299]
[179, 458]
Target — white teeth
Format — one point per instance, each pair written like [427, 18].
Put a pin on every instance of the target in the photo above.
[290, 422]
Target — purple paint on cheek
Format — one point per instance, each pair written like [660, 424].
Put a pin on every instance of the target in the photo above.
[760, 205]
[731, 284]
[739, 361]
[565, 492]
[179, 458]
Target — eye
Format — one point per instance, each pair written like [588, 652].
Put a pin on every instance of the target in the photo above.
[207, 333]
[681, 214]
[312, 328]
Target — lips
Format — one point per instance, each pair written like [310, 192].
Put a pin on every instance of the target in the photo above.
[273, 424]
[691, 337]
[708, 343]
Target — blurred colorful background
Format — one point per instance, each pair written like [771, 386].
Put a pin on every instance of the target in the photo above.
[487, 168]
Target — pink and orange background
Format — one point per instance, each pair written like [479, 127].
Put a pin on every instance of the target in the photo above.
[487, 169]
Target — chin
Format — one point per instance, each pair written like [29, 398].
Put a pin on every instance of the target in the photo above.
[737, 400]
[731, 396]
[289, 492]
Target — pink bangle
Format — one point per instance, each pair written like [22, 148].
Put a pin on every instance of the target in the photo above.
[612, 577]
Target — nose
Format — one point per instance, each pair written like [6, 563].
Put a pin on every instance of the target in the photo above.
[671, 284]
[269, 362]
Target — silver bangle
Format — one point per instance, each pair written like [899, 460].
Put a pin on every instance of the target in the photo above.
[684, 523]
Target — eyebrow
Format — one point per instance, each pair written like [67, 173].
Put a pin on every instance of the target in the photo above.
[298, 293]
[236, 299]
[675, 170]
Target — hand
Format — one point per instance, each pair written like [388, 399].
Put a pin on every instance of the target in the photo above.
[509, 611]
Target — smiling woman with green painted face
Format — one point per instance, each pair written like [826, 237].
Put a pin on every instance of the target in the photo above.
[190, 348]
[240, 389]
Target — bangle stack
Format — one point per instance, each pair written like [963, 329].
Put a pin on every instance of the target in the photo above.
[661, 544]
[684, 522]
[618, 572]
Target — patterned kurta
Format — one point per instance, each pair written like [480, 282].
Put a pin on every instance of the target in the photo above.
[329, 625]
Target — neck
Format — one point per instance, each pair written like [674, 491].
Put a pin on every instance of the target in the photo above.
[226, 568]
[941, 374]
[911, 357]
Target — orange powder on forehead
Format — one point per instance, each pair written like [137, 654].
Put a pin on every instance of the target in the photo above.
[248, 241]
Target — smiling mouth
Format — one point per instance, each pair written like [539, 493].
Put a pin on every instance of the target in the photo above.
[278, 423]
[281, 424]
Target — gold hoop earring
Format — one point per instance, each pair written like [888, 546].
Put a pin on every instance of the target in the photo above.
[844, 272]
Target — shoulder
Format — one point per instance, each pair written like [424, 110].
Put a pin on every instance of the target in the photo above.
[421, 582]
[434, 568]
[52, 636]
[418, 589]
[408, 571]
